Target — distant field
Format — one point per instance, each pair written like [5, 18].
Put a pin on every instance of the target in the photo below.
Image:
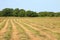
[29, 28]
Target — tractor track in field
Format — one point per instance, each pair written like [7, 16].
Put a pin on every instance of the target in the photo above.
[31, 35]
[3, 30]
[15, 32]
[50, 36]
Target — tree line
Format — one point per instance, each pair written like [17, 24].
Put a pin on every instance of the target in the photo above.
[23, 13]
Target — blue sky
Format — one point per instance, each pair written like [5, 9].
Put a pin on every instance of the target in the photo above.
[34, 5]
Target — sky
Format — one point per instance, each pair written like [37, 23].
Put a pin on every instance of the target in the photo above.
[34, 5]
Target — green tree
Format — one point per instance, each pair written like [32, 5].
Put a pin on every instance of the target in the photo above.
[16, 12]
[46, 14]
[21, 13]
[57, 14]
[31, 14]
[1, 14]
[7, 12]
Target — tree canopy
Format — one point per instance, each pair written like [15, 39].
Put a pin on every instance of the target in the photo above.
[23, 13]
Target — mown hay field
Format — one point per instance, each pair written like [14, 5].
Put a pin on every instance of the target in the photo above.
[29, 28]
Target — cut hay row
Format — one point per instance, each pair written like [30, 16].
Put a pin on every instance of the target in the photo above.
[53, 33]
[7, 35]
[2, 31]
[2, 19]
[2, 24]
[28, 32]
[42, 35]
[15, 33]
[17, 28]
[48, 26]
[22, 33]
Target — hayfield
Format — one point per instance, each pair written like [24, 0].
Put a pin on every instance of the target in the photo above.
[29, 28]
